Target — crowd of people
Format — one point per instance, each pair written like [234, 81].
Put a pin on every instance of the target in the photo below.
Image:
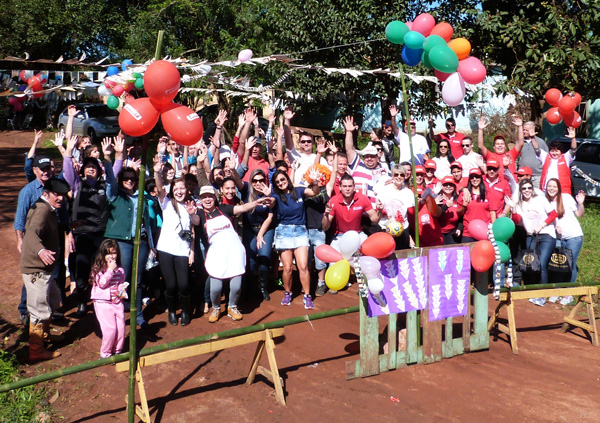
[220, 220]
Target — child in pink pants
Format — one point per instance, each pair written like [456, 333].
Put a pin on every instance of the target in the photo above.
[107, 279]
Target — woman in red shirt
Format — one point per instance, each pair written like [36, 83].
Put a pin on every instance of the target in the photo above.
[452, 212]
[475, 204]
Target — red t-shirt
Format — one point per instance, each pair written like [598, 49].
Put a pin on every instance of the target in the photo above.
[455, 141]
[498, 190]
[449, 219]
[477, 210]
[513, 153]
[431, 184]
[347, 216]
[430, 232]
[255, 164]
[464, 181]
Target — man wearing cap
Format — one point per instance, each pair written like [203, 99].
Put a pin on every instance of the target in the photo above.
[366, 172]
[38, 258]
[456, 170]
[419, 143]
[454, 138]
[495, 186]
[500, 145]
[528, 156]
[469, 158]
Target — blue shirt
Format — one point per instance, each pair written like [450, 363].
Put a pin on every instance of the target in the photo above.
[292, 212]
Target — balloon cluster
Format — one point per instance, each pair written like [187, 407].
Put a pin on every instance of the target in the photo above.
[17, 103]
[377, 246]
[35, 82]
[563, 108]
[483, 254]
[115, 84]
[432, 44]
[138, 117]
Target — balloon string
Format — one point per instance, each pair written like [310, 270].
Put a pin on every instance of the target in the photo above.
[338, 46]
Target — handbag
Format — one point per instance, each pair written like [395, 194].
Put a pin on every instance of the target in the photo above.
[561, 263]
[529, 260]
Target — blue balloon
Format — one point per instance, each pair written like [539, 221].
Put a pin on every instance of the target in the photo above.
[125, 63]
[411, 56]
[112, 70]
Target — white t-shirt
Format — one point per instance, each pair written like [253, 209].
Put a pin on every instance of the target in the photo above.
[394, 200]
[533, 214]
[442, 167]
[170, 241]
[468, 162]
[305, 161]
[553, 168]
[569, 223]
[420, 147]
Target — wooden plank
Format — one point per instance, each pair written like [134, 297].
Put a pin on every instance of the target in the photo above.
[352, 369]
[579, 324]
[466, 322]
[411, 337]
[480, 312]
[592, 320]
[571, 315]
[277, 381]
[432, 338]
[392, 341]
[448, 335]
[209, 347]
[555, 292]
[369, 342]
[255, 362]
[512, 326]
[145, 413]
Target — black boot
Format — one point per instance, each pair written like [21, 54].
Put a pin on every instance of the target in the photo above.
[184, 301]
[171, 309]
[263, 282]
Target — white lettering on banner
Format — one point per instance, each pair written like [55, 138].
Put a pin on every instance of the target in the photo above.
[136, 115]
[192, 116]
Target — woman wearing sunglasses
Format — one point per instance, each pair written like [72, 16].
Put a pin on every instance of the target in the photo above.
[443, 158]
[451, 218]
[475, 204]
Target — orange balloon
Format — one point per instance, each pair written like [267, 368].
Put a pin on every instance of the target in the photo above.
[379, 245]
[461, 46]
[444, 30]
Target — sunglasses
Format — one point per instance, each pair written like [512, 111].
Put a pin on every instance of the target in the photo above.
[398, 174]
[129, 178]
[494, 169]
[449, 125]
[280, 181]
[475, 176]
[305, 141]
[466, 145]
[369, 156]
[526, 188]
[379, 150]
[443, 146]
[258, 180]
[219, 173]
[448, 185]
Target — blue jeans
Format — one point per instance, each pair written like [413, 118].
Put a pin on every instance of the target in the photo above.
[316, 237]
[574, 244]
[126, 250]
[545, 246]
[258, 258]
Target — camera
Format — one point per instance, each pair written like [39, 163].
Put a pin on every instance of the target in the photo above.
[185, 235]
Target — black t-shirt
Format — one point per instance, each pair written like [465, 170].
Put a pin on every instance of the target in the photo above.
[315, 207]
[221, 210]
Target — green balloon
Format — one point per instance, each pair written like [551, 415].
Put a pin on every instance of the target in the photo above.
[425, 60]
[136, 75]
[504, 251]
[503, 228]
[112, 102]
[139, 84]
[432, 41]
[414, 40]
[395, 32]
[443, 58]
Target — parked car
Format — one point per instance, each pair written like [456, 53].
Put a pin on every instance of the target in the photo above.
[587, 160]
[95, 120]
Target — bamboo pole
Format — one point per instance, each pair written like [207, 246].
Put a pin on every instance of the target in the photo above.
[174, 345]
[549, 286]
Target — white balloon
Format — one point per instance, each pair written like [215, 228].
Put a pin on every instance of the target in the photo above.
[103, 91]
[349, 243]
[375, 286]
[245, 55]
[453, 91]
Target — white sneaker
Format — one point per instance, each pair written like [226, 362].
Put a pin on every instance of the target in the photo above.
[553, 299]
[567, 300]
[538, 301]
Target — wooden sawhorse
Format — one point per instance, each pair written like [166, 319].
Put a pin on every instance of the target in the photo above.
[507, 299]
[265, 342]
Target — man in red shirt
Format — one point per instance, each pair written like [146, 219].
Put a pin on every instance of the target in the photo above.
[500, 149]
[495, 186]
[456, 170]
[454, 138]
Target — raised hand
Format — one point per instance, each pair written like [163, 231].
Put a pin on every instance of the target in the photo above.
[158, 165]
[349, 124]
[393, 111]
[202, 153]
[221, 118]
[506, 160]
[321, 147]
[483, 122]
[190, 206]
[331, 147]
[570, 132]
[59, 138]
[37, 136]
[72, 111]
[279, 131]
[107, 147]
[517, 121]
[241, 120]
[580, 197]
[249, 115]
[119, 145]
[136, 164]
[161, 147]
[288, 114]
[272, 120]
[71, 143]
[508, 200]
[250, 142]
[437, 188]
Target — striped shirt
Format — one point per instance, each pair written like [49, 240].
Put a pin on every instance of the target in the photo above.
[365, 179]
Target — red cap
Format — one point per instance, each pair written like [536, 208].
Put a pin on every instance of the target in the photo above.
[448, 180]
[499, 136]
[525, 171]
[475, 171]
[455, 164]
[419, 169]
[420, 190]
[430, 164]
[492, 163]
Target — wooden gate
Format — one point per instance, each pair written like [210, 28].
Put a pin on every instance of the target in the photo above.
[426, 342]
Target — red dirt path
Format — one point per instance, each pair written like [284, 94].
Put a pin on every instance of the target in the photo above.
[555, 377]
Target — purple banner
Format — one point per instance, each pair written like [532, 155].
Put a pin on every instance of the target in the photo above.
[405, 287]
[449, 272]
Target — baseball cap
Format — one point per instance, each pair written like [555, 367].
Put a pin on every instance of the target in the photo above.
[42, 161]
[499, 136]
[492, 163]
[475, 171]
[207, 189]
[420, 190]
[430, 164]
[448, 180]
[419, 169]
[456, 164]
[370, 150]
[387, 123]
[525, 171]
[56, 185]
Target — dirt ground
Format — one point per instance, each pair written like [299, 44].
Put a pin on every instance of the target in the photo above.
[555, 377]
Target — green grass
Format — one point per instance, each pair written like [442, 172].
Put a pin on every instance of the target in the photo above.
[589, 257]
[23, 405]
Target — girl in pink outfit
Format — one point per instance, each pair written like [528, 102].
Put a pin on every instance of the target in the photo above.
[107, 278]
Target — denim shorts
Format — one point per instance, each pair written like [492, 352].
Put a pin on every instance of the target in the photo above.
[290, 237]
[316, 237]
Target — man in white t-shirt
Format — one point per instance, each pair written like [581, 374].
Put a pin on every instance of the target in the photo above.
[469, 158]
[419, 142]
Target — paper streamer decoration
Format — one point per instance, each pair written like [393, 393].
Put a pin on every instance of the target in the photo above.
[448, 282]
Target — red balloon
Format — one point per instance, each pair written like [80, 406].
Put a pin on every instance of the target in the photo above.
[162, 81]
[18, 107]
[566, 105]
[182, 124]
[444, 30]
[553, 96]
[379, 245]
[577, 98]
[442, 76]
[138, 117]
[118, 90]
[482, 256]
[478, 229]
[553, 116]
[423, 23]
[12, 101]
[36, 87]
[471, 70]
[328, 254]
[431, 204]
[573, 120]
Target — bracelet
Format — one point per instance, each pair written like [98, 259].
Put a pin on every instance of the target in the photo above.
[219, 127]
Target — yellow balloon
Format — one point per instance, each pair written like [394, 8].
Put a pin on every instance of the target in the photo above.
[461, 46]
[337, 275]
